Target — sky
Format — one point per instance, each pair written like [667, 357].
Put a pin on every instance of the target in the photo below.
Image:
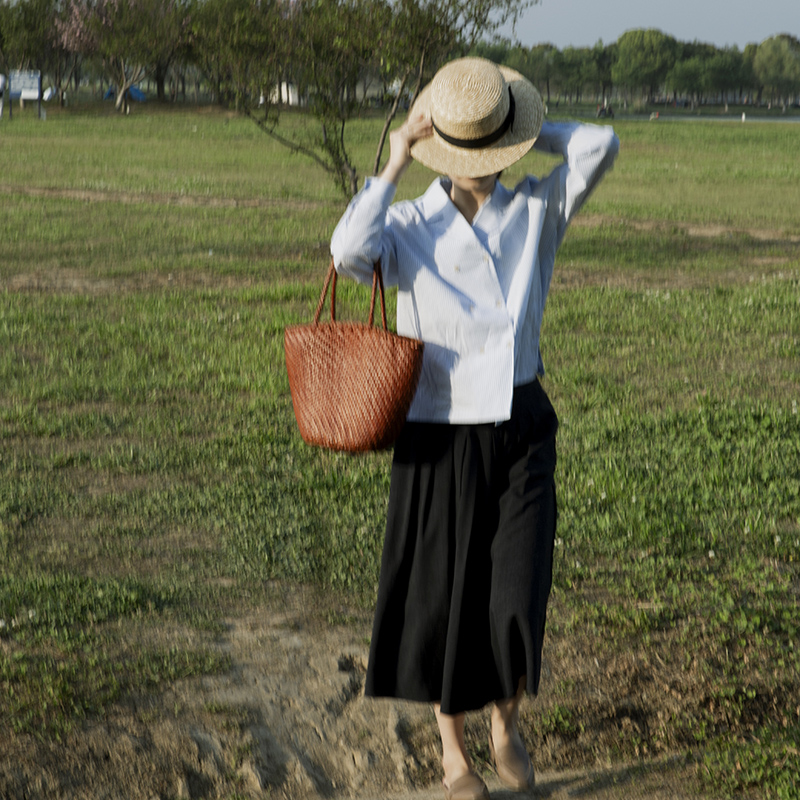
[581, 23]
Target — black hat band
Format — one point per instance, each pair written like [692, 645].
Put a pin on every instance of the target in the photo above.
[484, 141]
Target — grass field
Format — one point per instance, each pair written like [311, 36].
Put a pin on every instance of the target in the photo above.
[152, 478]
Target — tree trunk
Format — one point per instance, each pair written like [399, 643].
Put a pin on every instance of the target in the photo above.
[418, 87]
[122, 102]
[123, 84]
[349, 170]
[353, 175]
[388, 121]
[160, 80]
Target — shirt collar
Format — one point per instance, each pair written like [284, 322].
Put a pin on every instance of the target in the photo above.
[436, 201]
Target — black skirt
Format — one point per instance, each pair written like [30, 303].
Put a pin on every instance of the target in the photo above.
[467, 559]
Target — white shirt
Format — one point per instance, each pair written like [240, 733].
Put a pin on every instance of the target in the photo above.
[475, 294]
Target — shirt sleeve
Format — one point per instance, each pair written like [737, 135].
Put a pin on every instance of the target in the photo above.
[361, 237]
[588, 152]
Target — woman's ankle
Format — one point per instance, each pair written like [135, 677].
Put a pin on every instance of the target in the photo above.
[505, 717]
[455, 760]
[505, 722]
[455, 767]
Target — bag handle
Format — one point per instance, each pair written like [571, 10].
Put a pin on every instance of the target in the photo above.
[377, 283]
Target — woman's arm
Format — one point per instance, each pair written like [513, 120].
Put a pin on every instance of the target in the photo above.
[361, 237]
[588, 150]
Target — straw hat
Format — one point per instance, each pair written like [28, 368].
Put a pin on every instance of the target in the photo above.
[485, 118]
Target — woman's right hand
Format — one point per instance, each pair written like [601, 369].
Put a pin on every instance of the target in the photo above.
[401, 141]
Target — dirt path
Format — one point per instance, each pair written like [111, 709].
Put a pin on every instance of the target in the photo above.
[288, 720]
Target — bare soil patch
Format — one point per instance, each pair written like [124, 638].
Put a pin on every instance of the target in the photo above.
[74, 281]
[289, 720]
[157, 198]
[704, 231]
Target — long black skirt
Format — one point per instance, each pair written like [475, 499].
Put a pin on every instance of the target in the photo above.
[467, 559]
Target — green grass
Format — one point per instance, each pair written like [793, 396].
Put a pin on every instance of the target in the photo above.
[152, 477]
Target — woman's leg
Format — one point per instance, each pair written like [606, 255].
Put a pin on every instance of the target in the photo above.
[510, 757]
[505, 719]
[455, 761]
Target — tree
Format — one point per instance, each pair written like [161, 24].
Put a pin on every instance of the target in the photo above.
[686, 78]
[68, 52]
[572, 71]
[26, 33]
[176, 22]
[541, 67]
[129, 36]
[644, 57]
[747, 76]
[335, 48]
[604, 57]
[249, 49]
[700, 50]
[777, 65]
[723, 73]
[241, 46]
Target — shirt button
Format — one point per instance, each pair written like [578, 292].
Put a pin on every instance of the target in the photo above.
[472, 307]
[483, 350]
[508, 345]
[499, 304]
[457, 268]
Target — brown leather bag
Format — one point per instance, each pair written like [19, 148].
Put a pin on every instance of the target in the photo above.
[351, 383]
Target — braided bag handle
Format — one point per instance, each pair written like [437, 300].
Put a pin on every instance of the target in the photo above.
[330, 280]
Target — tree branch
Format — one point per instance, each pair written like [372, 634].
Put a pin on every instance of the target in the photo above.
[294, 147]
[389, 117]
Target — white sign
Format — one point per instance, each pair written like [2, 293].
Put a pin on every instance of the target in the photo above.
[25, 84]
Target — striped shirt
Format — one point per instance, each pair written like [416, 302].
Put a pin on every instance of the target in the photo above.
[475, 294]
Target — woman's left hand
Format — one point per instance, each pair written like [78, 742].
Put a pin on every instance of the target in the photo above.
[401, 141]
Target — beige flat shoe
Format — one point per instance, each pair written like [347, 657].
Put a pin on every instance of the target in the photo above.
[467, 787]
[513, 766]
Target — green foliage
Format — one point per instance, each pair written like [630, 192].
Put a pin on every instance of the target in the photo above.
[26, 33]
[764, 762]
[777, 65]
[59, 662]
[60, 607]
[241, 46]
[644, 57]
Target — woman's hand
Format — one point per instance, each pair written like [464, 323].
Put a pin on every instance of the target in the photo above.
[401, 142]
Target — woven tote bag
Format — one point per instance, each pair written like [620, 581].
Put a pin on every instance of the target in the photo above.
[351, 383]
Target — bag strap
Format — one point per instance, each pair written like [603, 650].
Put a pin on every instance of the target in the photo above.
[377, 283]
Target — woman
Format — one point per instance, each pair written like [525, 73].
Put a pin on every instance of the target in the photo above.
[467, 560]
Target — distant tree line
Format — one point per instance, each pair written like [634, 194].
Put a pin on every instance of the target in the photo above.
[338, 55]
[648, 64]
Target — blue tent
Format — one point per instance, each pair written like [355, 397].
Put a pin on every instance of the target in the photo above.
[134, 93]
